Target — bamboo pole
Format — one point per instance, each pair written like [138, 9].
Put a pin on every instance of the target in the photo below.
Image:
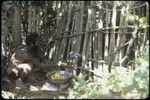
[84, 51]
[112, 37]
[69, 19]
[17, 25]
[146, 29]
[121, 37]
[61, 27]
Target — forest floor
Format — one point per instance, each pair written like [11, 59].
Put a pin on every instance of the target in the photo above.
[31, 93]
[38, 89]
[33, 89]
[34, 92]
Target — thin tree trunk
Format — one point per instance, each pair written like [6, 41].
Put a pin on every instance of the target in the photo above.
[32, 20]
[37, 24]
[121, 37]
[85, 44]
[88, 45]
[24, 17]
[54, 48]
[4, 30]
[135, 46]
[63, 40]
[146, 29]
[17, 25]
[112, 38]
[61, 27]
[79, 49]
[98, 46]
[4, 39]
[58, 29]
[77, 25]
[79, 39]
[105, 66]
[92, 37]
[69, 19]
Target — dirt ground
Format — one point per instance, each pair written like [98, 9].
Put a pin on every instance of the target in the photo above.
[32, 89]
[33, 93]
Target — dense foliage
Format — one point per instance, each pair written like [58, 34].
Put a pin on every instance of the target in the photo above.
[121, 82]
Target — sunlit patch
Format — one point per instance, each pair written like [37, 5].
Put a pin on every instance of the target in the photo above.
[41, 22]
[89, 11]
[60, 14]
[59, 5]
[93, 38]
[41, 13]
[123, 11]
[100, 24]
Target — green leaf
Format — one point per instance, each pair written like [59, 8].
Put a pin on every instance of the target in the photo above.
[130, 88]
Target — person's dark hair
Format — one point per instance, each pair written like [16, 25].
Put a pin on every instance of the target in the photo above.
[31, 38]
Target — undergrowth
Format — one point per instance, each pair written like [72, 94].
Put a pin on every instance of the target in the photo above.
[121, 81]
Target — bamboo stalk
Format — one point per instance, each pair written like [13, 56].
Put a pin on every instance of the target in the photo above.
[121, 37]
[84, 51]
[112, 38]
[62, 24]
[145, 31]
[17, 25]
[79, 49]
[106, 43]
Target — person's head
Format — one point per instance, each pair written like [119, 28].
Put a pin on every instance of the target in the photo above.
[31, 38]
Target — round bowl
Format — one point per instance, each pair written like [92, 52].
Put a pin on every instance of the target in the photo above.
[65, 74]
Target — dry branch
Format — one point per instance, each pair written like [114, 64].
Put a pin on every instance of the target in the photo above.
[134, 36]
[106, 57]
[99, 29]
[92, 32]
